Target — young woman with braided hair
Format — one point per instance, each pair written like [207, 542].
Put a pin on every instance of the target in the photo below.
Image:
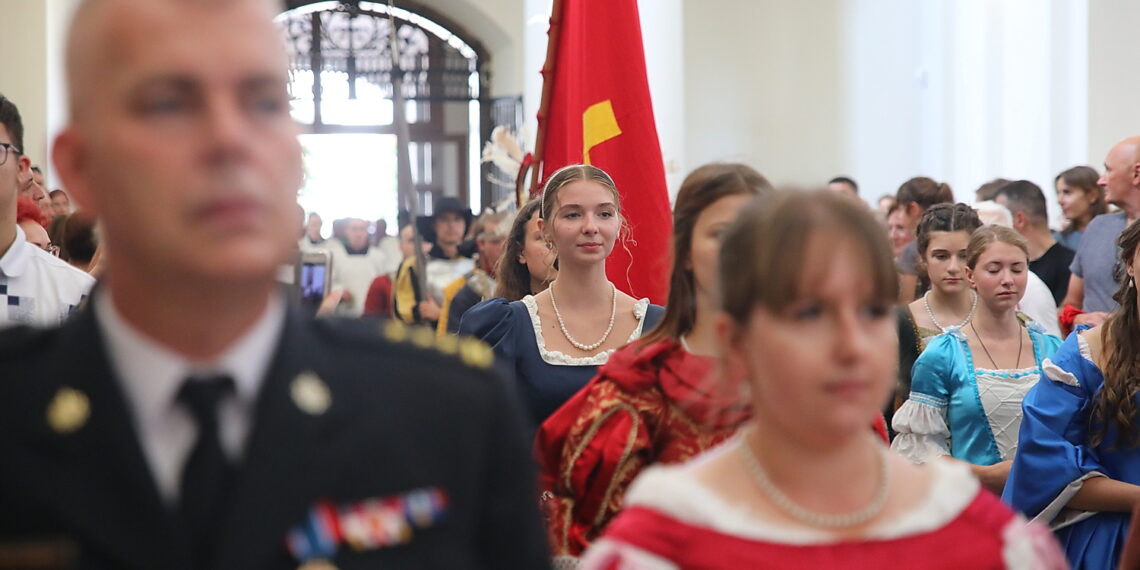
[1078, 466]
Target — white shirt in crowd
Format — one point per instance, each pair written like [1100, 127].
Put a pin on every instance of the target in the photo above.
[355, 272]
[37, 288]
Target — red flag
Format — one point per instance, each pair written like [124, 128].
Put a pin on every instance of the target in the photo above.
[599, 112]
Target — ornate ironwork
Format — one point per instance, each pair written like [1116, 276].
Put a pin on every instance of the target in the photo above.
[353, 38]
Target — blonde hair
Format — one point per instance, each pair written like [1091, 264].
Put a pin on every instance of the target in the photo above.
[986, 235]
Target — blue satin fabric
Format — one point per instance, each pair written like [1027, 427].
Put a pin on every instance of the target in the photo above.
[944, 375]
[1052, 452]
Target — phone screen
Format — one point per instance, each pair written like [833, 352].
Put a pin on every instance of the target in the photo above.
[313, 278]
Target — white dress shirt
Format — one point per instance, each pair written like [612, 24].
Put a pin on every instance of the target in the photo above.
[152, 374]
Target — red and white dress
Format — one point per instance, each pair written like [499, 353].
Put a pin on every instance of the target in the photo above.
[672, 520]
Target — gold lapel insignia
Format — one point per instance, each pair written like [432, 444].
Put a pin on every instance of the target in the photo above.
[396, 331]
[317, 564]
[423, 337]
[475, 353]
[448, 344]
[68, 410]
[310, 393]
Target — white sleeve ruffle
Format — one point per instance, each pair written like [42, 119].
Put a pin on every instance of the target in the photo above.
[920, 425]
[1031, 546]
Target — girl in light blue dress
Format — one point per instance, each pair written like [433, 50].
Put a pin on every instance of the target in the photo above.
[967, 386]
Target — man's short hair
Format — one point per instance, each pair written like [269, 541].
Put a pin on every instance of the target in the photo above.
[845, 180]
[989, 190]
[10, 118]
[58, 192]
[1026, 197]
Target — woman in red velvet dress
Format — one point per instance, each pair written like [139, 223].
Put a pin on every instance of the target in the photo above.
[653, 401]
[806, 289]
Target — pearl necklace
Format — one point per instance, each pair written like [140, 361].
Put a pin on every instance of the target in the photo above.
[930, 313]
[790, 508]
[566, 333]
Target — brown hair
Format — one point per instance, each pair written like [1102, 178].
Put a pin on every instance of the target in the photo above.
[1085, 178]
[514, 277]
[1114, 406]
[764, 253]
[945, 218]
[925, 192]
[986, 235]
[702, 188]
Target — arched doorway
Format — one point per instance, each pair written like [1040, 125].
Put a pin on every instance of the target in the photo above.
[341, 81]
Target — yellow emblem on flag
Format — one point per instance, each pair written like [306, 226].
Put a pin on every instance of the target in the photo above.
[599, 124]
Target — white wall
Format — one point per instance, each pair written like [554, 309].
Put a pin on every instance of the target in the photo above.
[23, 74]
[763, 86]
[1113, 111]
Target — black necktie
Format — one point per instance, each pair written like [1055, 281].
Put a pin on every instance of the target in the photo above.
[208, 474]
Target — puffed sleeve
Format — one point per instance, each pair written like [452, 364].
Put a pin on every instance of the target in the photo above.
[590, 450]
[493, 322]
[1052, 460]
[920, 423]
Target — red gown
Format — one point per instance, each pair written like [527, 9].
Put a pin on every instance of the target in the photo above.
[649, 404]
[672, 521]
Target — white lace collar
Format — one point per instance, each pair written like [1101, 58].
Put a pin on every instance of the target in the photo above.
[558, 358]
[675, 491]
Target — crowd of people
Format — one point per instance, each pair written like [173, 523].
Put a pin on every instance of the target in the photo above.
[828, 384]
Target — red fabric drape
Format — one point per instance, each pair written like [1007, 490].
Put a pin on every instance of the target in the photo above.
[599, 112]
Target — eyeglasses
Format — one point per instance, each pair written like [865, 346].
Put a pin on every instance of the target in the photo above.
[50, 248]
[5, 148]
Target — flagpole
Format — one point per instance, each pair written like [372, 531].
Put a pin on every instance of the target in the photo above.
[404, 185]
[547, 89]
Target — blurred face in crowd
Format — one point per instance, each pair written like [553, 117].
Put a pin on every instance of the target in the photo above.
[537, 254]
[1121, 172]
[16, 167]
[824, 365]
[33, 189]
[357, 233]
[192, 96]
[898, 232]
[946, 261]
[313, 227]
[36, 235]
[449, 228]
[60, 204]
[705, 245]
[1000, 275]
[490, 243]
[1076, 203]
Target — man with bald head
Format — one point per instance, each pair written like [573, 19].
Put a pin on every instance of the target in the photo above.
[1096, 268]
[191, 418]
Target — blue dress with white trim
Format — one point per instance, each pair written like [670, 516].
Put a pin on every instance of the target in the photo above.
[957, 409]
[1055, 459]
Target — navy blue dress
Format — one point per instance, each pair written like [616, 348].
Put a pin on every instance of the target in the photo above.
[545, 378]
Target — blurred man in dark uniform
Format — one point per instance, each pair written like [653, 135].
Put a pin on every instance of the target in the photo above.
[190, 418]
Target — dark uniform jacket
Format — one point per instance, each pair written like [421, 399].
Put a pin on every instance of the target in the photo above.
[405, 414]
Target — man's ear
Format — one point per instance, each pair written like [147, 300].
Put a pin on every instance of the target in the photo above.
[68, 156]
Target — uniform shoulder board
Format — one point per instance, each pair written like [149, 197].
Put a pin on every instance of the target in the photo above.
[473, 352]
